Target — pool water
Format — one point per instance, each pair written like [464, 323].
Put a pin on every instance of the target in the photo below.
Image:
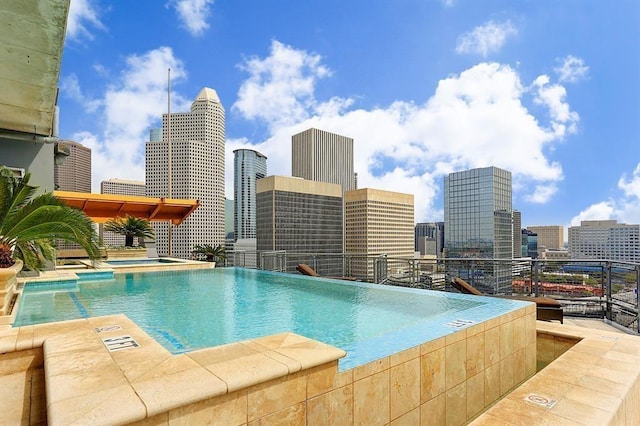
[188, 310]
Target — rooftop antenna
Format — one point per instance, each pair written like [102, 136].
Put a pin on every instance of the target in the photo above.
[169, 189]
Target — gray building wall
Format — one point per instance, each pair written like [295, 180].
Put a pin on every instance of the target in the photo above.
[35, 157]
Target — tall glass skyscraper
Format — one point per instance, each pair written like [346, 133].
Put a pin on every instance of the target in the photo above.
[478, 220]
[248, 166]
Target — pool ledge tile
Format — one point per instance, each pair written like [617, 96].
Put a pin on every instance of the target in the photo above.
[248, 370]
[8, 340]
[116, 405]
[169, 391]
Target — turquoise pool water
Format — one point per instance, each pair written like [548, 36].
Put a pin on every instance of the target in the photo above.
[188, 310]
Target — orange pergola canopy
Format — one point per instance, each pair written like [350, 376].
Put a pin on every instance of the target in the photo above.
[102, 207]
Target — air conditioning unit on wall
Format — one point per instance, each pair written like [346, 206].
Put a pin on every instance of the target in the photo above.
[18, 172]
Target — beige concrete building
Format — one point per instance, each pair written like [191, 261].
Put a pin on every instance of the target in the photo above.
[549, 236]
[74, 171]
[378, 222]
[324, 157]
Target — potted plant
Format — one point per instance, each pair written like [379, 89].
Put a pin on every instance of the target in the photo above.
[29, 227]
[210, 253]
[131, 227]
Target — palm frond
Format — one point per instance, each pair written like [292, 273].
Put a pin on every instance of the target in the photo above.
[31, 223]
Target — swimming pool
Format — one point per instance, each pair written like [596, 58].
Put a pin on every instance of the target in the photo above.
[188, 310]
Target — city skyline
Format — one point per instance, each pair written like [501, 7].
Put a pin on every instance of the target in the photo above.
[424, 89]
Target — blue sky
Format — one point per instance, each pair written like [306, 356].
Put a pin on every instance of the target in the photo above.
[549, 90]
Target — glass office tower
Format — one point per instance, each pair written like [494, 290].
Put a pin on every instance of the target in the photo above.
[248, 167]
[478, 222]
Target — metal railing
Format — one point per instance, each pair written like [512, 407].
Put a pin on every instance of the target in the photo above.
[601, 288]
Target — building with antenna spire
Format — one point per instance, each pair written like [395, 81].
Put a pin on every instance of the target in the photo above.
[197, 149]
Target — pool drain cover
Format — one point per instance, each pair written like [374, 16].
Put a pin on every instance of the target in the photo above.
[120, 343]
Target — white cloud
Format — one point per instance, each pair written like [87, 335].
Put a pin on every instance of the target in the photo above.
[84, 16]
[474, 119]
[604, 210]
[485, 39]
[70, 88]
[629, 206]
[563, 120]
[127, 110]
[571, 70]
[193, 14]
[631, 186]
[280, 88]
[542, 193]
[624, 208]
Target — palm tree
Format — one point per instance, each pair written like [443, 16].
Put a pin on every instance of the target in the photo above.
[29, 224]
[211, 253]
[130, 227]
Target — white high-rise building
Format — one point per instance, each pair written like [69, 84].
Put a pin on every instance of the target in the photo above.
[121, 187]
[323, 157]
[605, 239]
[196, 140]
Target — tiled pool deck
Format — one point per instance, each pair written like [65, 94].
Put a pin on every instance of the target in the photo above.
[107, 370]
[283, 378]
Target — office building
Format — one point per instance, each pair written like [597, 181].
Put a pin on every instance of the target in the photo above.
[549, 236]
[73, 171]
[429, 238]
[300, 216]
[194, 142]
[605, 239]
[377, 223]
[155, 135]
[517, 233]
[248, 167]
[478, 221]
[529, 244]
[228, 220]
[323, 157]
[121, 187]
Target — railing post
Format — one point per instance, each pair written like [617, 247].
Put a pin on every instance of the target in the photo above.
[638, 298]
[609, 313]
[537, 278]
